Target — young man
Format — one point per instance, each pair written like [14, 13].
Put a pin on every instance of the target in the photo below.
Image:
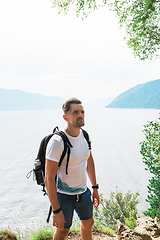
[70, 191]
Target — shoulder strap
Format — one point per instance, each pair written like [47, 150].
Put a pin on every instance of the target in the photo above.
[86, 136]
[67, 146]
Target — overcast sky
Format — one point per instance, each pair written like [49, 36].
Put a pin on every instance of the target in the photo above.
[57, 55]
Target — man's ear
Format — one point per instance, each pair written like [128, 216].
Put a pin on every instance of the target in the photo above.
[65, 117]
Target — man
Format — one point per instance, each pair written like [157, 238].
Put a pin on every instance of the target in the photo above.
[70, 192]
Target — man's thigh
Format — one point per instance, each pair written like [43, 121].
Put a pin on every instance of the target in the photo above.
[84, 207]
[67, 207]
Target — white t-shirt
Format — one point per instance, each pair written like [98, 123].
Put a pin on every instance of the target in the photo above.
[75, 182]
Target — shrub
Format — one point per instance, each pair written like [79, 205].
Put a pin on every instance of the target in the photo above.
[42, 234]
[7, 235]
[131, 220]
[108, 231]
[117, 207]
[150, 150]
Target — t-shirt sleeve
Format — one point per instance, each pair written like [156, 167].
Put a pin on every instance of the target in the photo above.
[55, 148]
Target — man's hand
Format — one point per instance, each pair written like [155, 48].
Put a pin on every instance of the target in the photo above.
[59, 220]
[95, 198]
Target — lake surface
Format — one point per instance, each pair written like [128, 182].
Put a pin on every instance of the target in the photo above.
[115, 135]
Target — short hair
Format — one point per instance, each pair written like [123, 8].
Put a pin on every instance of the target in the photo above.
[67, 105]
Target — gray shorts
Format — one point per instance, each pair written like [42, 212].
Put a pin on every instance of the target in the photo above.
[82, 204]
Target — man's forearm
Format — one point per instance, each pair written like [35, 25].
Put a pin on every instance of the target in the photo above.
[52, 193]
[50, 183]
[91, 170]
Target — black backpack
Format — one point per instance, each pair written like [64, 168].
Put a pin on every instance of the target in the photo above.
[39, 170]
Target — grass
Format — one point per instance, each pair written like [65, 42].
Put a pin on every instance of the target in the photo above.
[46, 233]
[42, 233]
[108, 231]
[7, 234]
[74, 229]
[99, 227]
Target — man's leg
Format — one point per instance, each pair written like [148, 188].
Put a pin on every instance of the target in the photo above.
[67, 207]
[60, 234]
[86, 229]
[84, 209]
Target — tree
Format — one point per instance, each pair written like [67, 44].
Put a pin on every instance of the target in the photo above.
[150, 150]
[139, 17]
[141, 21]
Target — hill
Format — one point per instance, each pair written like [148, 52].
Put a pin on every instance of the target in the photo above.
[17, 100]
[145, 95]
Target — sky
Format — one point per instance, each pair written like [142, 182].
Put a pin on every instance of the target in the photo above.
[62, 55]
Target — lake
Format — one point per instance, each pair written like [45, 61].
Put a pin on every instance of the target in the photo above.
[115, 135]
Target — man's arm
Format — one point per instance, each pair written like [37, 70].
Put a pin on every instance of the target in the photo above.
[92, 176]
[50, 183]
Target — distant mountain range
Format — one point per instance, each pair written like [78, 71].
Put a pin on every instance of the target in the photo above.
[17, 100]
[145, 95]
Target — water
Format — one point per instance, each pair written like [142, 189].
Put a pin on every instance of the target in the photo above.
[115, 135]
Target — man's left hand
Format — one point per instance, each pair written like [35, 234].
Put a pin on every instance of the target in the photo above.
[95, 198]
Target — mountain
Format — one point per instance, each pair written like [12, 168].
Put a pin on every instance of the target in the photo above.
[145, 95]
[17, 100]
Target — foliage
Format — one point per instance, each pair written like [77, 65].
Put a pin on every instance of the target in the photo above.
[42, 234]
[131, 220]
[81, 7]
[99, 226]
[108, 231]
[139, 17]
[117, 207]
[74, 229]
[141, 21]
[150, 150]
[7, 234]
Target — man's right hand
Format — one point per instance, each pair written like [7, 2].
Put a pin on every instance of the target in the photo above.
[59, 220]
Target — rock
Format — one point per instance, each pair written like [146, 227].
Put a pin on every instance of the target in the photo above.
[123, 232]
[146, 229]
[146, 226]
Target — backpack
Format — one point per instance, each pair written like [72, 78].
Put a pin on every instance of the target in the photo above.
[39, 171]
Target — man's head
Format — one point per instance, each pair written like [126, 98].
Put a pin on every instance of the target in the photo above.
[67, 105]
[73, 112]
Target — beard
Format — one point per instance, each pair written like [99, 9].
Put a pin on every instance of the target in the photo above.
[80, 122]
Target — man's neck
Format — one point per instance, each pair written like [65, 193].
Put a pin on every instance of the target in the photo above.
[73, 132]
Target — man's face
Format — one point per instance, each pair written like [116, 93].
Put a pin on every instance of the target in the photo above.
[75, 116]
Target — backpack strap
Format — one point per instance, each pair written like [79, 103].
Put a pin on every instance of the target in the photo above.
[49, 214]
[86, 136]
[67, 146]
